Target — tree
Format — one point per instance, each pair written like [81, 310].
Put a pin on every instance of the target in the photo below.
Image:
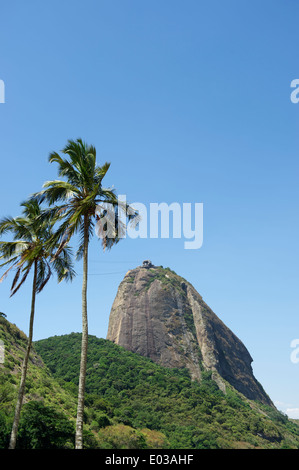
[32, 248]
[43, 427]
[81, 203]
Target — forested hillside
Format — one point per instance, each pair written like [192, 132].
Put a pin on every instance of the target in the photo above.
[126, 389]
[48, 411]
[131, 402]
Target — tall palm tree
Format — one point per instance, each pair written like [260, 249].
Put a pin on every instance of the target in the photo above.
[83, 205]
[32, 247]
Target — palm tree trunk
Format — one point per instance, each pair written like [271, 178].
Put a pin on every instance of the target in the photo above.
[14, 432]
[81, 391]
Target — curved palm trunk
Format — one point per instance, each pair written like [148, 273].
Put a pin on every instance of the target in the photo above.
[81, 392]
[14, 432]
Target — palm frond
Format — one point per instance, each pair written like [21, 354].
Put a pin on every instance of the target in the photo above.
[80, 249]
[26, 272]
[65, 169]
[6, 273]
[107, 195]
[11, 249]
[6, 225]
[44, 274]
[101, 171]
[18, 227]
[31, 209]
[12, 260]
[37, 244]
[58, 190]
[16, 278]
[83, 195]
[63, 266]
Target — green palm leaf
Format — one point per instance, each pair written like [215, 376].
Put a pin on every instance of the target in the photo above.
[33, 244]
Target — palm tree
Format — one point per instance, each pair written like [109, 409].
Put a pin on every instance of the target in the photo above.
[83, 204]
[32, 247]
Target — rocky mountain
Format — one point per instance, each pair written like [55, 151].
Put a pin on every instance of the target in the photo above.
[160, 315]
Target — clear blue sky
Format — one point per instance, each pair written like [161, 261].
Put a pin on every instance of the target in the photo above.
[190, 102]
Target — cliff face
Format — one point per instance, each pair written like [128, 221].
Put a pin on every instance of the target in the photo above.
[160, 315]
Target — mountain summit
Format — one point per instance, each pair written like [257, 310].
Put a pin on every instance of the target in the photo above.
[160, 315]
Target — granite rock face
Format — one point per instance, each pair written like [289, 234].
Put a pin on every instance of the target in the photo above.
[160, 315]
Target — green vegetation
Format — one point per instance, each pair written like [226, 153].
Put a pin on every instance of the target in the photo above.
[43, 427]
[127, 393]
[168, 278]
[40, 387]
[131, 402]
